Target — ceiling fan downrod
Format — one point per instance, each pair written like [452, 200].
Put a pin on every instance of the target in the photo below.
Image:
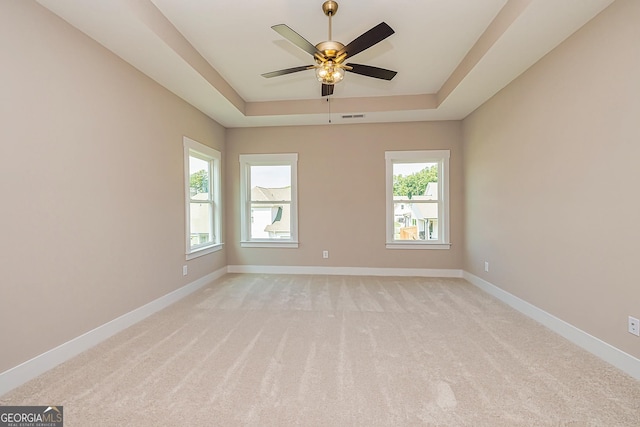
[330, 8]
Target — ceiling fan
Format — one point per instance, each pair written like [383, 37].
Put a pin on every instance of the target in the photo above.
[330, 56]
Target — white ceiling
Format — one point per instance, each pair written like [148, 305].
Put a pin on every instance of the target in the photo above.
[451, 55]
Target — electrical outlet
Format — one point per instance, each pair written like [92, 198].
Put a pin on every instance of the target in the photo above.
[325, 254]
[185, 270]
[486, 266]
[634, 326]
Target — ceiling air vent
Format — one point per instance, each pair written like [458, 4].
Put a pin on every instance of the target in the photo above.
[353, 116]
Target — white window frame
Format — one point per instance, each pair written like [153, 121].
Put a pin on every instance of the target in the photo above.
[441, 157]
[213, 157]
[248, 160]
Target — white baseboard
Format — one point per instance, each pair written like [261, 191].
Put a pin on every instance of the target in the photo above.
[596, 346]
[30, 369]
[345, 271]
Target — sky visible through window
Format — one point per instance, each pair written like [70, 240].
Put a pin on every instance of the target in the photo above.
[271, 176]
[196, 165]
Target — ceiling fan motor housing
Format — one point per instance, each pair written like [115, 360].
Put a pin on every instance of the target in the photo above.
[330, 48]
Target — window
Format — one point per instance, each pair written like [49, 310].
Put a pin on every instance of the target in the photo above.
[202, 197]
[417, 199]
[268, 194]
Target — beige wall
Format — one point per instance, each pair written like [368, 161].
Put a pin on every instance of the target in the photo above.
[91, 185]
[341, 193]
[551, 180]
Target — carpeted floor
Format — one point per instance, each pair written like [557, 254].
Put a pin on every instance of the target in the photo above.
[336, 351]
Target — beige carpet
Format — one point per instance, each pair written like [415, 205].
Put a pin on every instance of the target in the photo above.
[337, 351]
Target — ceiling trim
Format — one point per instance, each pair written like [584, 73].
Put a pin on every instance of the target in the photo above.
[151, 16]
[519, 34]
[342, 105]
[496, 29]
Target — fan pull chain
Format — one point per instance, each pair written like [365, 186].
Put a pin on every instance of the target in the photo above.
[329, 105]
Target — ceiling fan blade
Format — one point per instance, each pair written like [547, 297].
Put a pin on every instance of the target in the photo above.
[366, 40]
[286, 71]
[296, 39]
[327, 90]
[369, 71]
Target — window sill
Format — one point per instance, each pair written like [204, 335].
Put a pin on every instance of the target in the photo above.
[204, 251]
[269, 244]
[421, 245]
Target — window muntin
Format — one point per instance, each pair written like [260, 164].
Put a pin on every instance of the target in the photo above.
[417, 199]
[202, 193]
[269, 208]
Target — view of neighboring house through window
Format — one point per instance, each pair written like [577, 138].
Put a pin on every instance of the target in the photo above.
[269, 195]
[202, 191]
[417, 199]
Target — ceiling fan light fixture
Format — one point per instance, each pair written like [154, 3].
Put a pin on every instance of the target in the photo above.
[329, 73]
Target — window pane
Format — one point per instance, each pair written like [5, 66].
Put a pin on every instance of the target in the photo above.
[202, 198]
[273, 182]
[417, 196]
[198, 178]
[414, 183]
[415, 221]
[415, 180]
[270, 221]
[200, 223]
[271, 185]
